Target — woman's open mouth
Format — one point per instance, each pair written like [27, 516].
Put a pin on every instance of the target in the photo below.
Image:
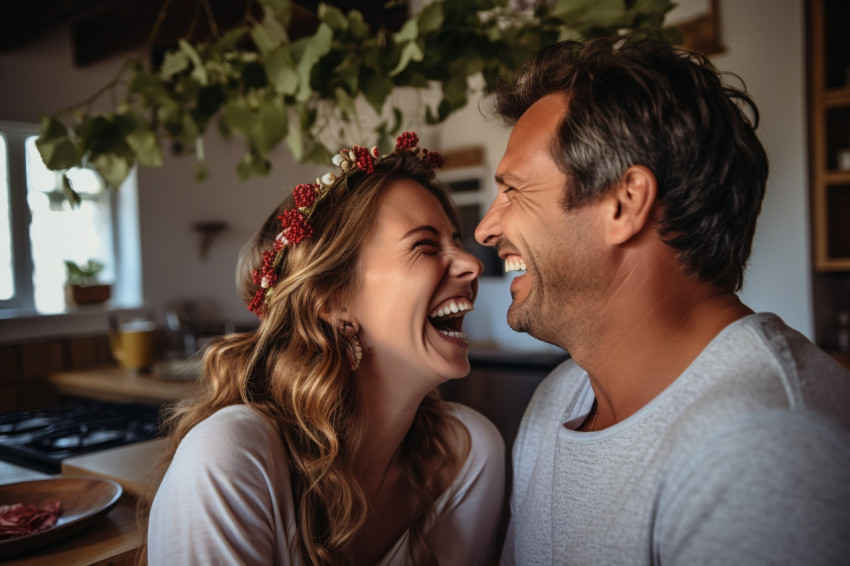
[448, 317]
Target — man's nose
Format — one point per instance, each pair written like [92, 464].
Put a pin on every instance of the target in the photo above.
[489, 229]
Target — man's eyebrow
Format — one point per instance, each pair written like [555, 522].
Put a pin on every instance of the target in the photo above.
[506, 179]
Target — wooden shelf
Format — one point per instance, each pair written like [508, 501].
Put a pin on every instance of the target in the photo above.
[836, 97]
[830, 133]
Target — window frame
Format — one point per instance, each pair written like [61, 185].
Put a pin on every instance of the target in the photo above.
[23, 298]
[125, 235]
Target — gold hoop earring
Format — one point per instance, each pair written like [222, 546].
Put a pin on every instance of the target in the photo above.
[355, 353]
[353, 350]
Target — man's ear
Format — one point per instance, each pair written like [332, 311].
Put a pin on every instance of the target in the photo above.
[632, 203]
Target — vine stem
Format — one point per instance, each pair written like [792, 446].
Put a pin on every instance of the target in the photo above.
[110, 86]
[163, 12]
[211, 18]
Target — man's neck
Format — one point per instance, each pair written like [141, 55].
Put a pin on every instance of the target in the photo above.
[650, 341]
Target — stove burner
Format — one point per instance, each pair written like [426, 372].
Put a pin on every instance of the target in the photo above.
[42, 438]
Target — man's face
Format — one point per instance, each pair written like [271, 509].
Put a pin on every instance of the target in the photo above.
[555, 251]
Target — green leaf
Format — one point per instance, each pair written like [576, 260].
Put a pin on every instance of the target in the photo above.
[55, 147]
[150, 87]
[261, 165]
[113, 168]
[306, 52]
[410, 52]
[273, 125]
[174, 62]
[398, 119]
[199, 72]
[431, 17]
[209, 100]
[254, 75]
[281, 71]
[344, 103]
[52, 129]
[147, 148]
[239, 117]
[282, 10]
[244, 169]
[349, 71]
[318, 153]
[230, 40]
[72, 196]
[358, 29]
[269, 34]
[455, 88]
[408, 32]
[376, 89]
[295, 143]
[333, 16]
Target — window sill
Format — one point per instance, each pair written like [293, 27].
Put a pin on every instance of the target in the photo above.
[20, 326]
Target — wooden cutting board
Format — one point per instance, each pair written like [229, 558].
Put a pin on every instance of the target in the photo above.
[137, 467]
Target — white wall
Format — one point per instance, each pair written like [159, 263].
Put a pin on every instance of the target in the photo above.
[764, 40]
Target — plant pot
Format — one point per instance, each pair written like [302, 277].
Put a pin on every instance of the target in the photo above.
[87, 294]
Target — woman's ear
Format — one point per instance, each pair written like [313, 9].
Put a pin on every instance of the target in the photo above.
[340, 319]
[632, 205]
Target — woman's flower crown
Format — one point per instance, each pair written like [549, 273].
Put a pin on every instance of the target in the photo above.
[294, 222]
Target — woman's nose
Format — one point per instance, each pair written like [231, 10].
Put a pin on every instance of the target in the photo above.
[466, 264]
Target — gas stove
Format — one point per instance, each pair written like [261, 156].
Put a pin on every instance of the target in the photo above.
[41, 438]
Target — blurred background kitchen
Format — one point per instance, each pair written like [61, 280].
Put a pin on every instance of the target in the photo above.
[168, 244]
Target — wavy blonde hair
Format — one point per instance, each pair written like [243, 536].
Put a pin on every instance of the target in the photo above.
[294, 370]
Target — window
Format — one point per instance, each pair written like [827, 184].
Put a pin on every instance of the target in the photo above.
[39, 229]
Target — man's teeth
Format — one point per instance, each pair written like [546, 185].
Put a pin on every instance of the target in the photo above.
[450, 309]
[451, 334]
[515, 264]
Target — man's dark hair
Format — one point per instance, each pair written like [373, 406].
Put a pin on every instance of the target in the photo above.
[637, 100]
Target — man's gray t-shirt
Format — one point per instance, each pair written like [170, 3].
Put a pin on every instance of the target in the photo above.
[743, 459]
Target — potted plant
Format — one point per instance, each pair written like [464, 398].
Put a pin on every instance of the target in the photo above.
[82, 286]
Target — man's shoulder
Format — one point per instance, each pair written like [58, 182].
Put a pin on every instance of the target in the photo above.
[763, 363]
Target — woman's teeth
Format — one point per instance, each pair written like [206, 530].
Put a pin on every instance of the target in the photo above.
[451, 308]
[515, 264]
[446, 318]
[460, 335]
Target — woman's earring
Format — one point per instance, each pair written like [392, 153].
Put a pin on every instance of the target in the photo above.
[354, 351]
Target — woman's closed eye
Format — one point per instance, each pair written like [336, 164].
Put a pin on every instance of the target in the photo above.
[427, 246]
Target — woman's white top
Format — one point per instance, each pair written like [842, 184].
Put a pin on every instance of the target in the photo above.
[227, 497]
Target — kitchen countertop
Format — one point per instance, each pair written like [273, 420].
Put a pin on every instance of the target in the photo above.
[114, 383]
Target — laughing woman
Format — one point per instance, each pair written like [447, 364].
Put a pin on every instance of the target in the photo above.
[320, 438]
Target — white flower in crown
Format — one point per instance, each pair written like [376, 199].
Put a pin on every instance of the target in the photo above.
[338, 159]
[328, 178]
[281, 239]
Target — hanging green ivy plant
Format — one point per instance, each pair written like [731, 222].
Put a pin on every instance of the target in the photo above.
[257, 83]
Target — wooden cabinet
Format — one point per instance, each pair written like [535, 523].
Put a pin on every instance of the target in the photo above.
[828, 30]
[829, 96]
